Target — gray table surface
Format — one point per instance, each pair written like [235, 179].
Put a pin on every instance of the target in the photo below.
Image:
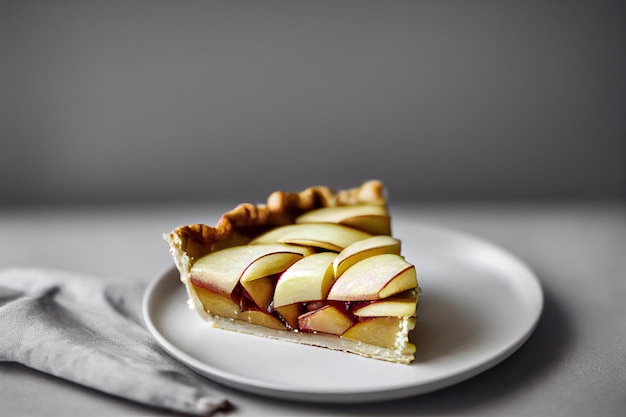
[573, 365]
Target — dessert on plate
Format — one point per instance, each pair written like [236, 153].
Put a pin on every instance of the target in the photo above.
[317, 267]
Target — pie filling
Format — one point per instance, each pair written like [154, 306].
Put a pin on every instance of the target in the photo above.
[341, 318]
[330, 270]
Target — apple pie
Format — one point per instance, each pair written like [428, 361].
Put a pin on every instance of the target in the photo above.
[317, 267]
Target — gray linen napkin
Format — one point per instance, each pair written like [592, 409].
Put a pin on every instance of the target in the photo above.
[78, 328]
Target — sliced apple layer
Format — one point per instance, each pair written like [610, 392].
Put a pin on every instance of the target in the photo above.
[401, 305]
[374, 278]
[371, 218]
[222, 270]
[309, 279]
[328, 268]
[333, 237]
[378, 331]
[327, 319]
[359, 250]
[289, 286]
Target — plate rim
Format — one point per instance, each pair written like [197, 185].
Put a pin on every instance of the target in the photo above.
[254, 386]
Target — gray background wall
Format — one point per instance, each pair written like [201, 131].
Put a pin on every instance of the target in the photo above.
[118, 101]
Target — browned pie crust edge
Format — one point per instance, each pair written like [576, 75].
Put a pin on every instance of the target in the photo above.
[240, 224]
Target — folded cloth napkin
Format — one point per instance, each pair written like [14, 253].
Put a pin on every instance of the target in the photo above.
[81, 329]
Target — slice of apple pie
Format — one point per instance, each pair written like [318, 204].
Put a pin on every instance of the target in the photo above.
[316, 267]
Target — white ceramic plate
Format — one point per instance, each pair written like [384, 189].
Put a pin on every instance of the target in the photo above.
[479, 304]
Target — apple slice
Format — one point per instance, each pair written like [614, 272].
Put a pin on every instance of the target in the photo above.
[259, 280]
[290, 314]
[308, 279]
[330, 236]
[370, 223]
[400, 305]
[337, 214]
[375, 245]
[374, 278]
[370, 218]
[269, 264]
[328, 319]
[220, 271]
[261, 318]
[260, 290]
[214, 303]
[379, 331]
